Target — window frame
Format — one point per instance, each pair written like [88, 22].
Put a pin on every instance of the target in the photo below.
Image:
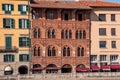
[102, 17]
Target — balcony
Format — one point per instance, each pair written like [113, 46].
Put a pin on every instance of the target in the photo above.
[12, 49]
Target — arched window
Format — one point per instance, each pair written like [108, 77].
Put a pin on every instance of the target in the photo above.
[77, 34]
[62, 34]
[51, 51]
[66, 51]
[35, 33]
[80, 34]
[70, 34]
[80, 51]
[39, 33]
[66, 34]
[34, 51]
[38, 51]
[84, 34]
[49, 33]
[53, 33]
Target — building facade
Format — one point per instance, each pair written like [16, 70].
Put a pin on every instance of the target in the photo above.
[105, 32]
[60, 37]
[14, 41]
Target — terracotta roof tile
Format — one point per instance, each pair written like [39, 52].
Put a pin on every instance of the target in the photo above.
[100, 4]
[67, 5]
[74, 5]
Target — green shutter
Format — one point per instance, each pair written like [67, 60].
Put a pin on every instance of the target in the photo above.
[27, 7]
[28, 42]
[20, 57]
[28, 23]
[12, 7]
[20, 41]
[12, 58]
[19, 7]
[12, 23]
[20, 23]
[27, 57]
[3, 6]
[4, 22]
[8, 42]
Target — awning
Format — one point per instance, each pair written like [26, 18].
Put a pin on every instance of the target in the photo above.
[37, 69]
[8, 68]
[105, 67]
[115, 66]
[82, 69]
[95, 68]
[52, 68]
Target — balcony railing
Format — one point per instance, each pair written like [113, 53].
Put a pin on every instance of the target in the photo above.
[12, 49]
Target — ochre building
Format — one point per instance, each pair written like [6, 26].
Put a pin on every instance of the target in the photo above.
[14, 33]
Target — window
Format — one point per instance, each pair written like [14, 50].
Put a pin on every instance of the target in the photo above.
[102, 44]
[24, 57]
[8, 58]
[80, 51]
[102, 31]
[24, 42]
[36, 51]
[8, 23]
[80, 34]
[66, 34]
[23, 8]
[102, 17]
[66, 51]
[113, 57]
[113, 31]
[51, 33]
[36, 15]
[66, 16]
[103, 57]
[51, 51]
[24, 23]
[51, 15]
[79, 17]
[113, 44]
[93, 58]
[112, 17]
[7, 8]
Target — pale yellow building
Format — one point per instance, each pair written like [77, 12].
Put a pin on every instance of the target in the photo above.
[14, 33]
[105, 33]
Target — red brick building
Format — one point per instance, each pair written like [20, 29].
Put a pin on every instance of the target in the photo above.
[60, 36]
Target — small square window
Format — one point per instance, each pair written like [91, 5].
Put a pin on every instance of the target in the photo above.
[102, 31]
[79, 17]
[102, 44]
[113, 44]
[113, 31]
[112, 17]
[102, 17]
[66, 16]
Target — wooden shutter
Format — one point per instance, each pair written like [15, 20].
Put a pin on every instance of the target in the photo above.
[20, 23]
[27, 57]
[20, 57]
[4, 23]
[28, 42]
[3, 6]
[20, 41]
[12, 7]
[12, 23]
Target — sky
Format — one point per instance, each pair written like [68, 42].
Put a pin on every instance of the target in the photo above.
[117, 1]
